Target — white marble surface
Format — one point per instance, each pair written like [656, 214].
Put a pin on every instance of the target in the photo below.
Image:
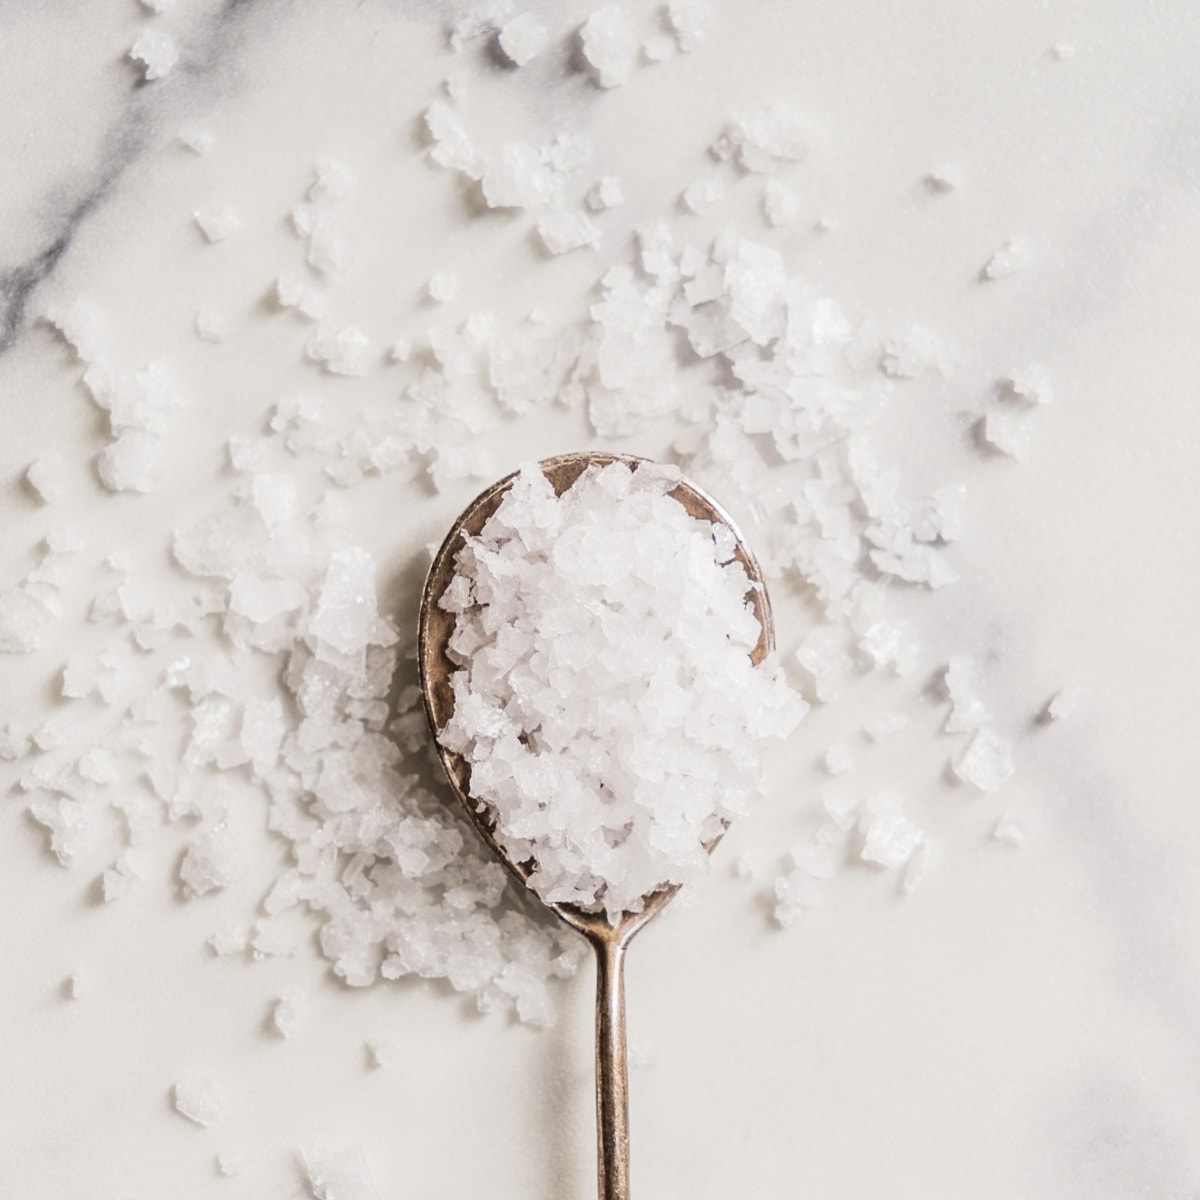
[1024, 1025]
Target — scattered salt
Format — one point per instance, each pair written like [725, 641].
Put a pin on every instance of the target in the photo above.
[75, 986]
[1063, 704]
[212, 326]
[339, 1174]
[606, 192]
[1010, 829]
[287, 1014]
[156, 51]
[986, 762]
[382, 1053]
[610, 45]
[567, 229]
[523, 38]
[948, 177]
[229, 1163]
[442, 286]
[345, 351]
[219, 223]
[44, 477]
[198, 1099]
[781, 204]
[1008, 431]
[890, 837]
[692, 20]
[1013, 256]
[703, 193]
[838, 759]
[1063, 51]
[198, 141]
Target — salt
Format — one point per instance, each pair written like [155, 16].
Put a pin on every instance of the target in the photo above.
[156, 51]
[1013, 256]
[605, 697]
[986, 762]
[198, 1099]
[609, 44]
[523, 38]
[218, 224]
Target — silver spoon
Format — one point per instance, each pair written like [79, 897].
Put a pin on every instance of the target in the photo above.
[609, 938]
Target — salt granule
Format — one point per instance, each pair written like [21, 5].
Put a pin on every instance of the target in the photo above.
[948, 177]
[198, 1099]
[44, 476]
[339, 1174]
[1063, 704]
[1013, 256]
[703, 193]
[522, 38]
[986, 762]
[838, 759]
[287, 1014]
[566, 229]
[605, 697]
[605, 193]
[890, 837]
[781, 204]
[75, 985]
[212, 326]
[1009, 431]
[1030, 383]
[967, 709]
[229, 1163]
[382, 1053]
[692, 21]
[1010, 829]
[219, 223]
[442, 286]
[198, 141]
[610, 45]
[156, 51]
[212, 861]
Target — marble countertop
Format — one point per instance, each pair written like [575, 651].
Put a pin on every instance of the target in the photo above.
[1023, 1024]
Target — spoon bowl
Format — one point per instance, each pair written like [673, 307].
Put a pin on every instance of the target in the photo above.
[609, 937]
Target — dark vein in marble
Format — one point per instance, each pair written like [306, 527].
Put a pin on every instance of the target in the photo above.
[125, 142]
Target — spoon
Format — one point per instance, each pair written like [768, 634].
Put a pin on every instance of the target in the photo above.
[609, 937]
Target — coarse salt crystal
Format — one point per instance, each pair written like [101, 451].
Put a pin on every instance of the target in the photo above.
[1011, 829]
[198, 1099]
[339, 1174]
[781, 204]
[442, 286]
[986, 762]
[523, 38]
[218, 223]
[198, 141]
[692, 20]
[156, 51]
[606, 192]
[1012, 257]
[567, 229]
[44, 477]
[1008, 431]
[610, 45]
[948, 177]
[1063, 704]
[212, 326]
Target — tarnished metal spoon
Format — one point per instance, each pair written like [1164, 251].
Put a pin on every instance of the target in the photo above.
[608, 937]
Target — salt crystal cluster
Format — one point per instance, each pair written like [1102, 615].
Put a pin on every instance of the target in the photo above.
[140, 403]
[605, 697]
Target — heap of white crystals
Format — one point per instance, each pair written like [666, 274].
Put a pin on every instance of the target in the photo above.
[605, 696]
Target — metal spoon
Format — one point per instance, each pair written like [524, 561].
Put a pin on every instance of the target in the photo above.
[609, 938]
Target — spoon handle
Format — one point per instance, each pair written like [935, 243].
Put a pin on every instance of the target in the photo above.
[612, 1080]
